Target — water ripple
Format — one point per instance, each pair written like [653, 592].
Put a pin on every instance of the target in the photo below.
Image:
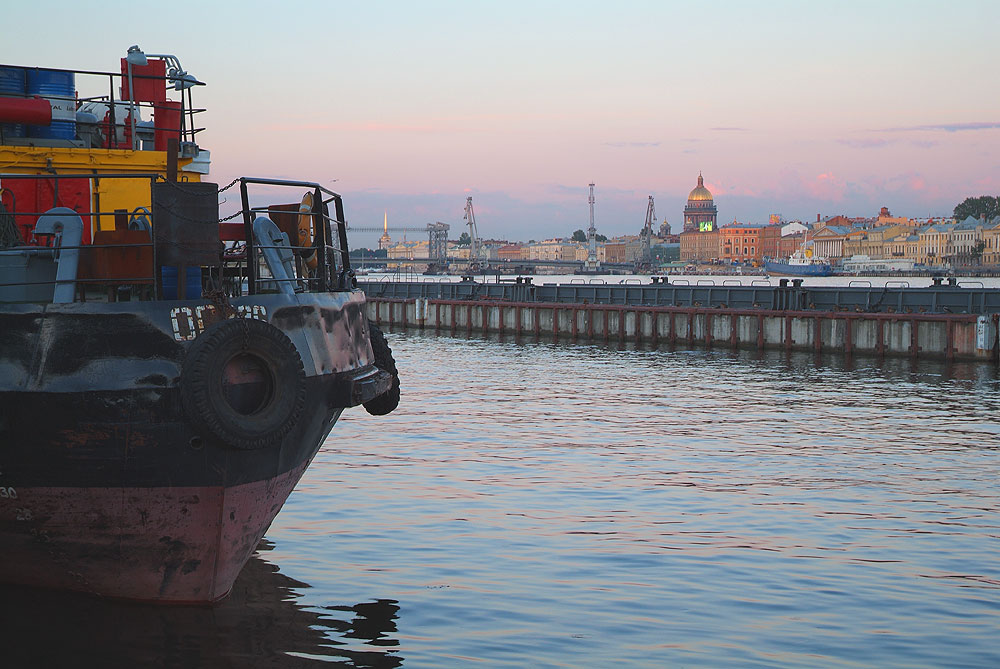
[548, 504]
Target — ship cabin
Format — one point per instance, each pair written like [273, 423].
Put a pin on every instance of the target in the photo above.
[104, 197]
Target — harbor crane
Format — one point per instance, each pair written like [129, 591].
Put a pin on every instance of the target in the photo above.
[645, 259]
[470, 218]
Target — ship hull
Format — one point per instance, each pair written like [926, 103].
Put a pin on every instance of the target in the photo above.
[177, 544]
[109, 484]
[786, 269]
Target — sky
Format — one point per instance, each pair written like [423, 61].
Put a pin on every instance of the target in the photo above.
[408, 108]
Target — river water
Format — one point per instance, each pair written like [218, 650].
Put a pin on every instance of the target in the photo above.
[540, 504]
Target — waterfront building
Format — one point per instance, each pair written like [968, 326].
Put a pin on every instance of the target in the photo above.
[828, 241]
[625, 248]
[700, 214]
[964, 238]
[511, 252]
[582, 252]
[789, 244]
[991, 242]
[932, 244]
[399, 253]
[740, 242]
[871, 242]
[770, 240]
[614, 250]
[699, 246]
[551, 249]
[903, 245]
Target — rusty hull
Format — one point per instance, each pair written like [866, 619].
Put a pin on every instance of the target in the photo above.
[107, 487]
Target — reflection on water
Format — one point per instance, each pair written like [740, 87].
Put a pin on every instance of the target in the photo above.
[545, 504]
[261, 624]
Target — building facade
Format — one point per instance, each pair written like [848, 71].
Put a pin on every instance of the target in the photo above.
[740, 242]
[699, 246]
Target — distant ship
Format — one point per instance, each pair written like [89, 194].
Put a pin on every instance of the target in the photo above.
[799, 264]
[861, 263]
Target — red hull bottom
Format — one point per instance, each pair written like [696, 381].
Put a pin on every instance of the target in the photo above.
[168, 544]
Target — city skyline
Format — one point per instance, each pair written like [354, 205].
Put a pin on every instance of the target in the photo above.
[785, 108]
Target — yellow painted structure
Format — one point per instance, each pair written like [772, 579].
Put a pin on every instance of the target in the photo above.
[107, 194]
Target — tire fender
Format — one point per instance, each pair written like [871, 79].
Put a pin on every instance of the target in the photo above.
[389, 400]
[243, 381]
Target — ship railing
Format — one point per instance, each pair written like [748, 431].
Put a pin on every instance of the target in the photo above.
[122, 126]
[148, 247]
[333, 262]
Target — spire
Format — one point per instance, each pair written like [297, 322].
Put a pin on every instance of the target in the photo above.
[385, 222]
[701, 181]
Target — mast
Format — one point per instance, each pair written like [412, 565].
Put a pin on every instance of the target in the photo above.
[592, 262]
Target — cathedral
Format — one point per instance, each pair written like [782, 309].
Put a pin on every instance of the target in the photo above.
[700, 213]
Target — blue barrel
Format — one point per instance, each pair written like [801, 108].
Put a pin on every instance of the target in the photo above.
[192, 286]
[13, 83]
[59, 88]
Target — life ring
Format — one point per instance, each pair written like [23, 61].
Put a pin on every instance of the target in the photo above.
[389, 400]
[307, 232]
[243, 380]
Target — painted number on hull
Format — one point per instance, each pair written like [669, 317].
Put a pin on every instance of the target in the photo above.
[189, 322]
[7, 493]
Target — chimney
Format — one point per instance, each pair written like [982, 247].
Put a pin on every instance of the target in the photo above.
[817, 218]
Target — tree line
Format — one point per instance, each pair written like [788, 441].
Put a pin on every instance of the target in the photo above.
[977, 207]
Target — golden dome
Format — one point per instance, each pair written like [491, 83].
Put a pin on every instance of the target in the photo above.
[700, 193]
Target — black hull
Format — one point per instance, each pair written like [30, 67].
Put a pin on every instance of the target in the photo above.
[109, 485]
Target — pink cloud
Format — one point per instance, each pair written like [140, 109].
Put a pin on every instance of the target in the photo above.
[369, 126]
[827, 186]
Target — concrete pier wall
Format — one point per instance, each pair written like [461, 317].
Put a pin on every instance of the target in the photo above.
[946, 336]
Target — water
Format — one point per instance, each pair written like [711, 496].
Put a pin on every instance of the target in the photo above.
[558, 505]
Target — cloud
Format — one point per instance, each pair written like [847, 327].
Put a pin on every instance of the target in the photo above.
[873, 143]
[730, 129]
[365, 126]
[631, 145]
[947, 127]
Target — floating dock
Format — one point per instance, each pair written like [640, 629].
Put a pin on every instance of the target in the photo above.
[946, 321]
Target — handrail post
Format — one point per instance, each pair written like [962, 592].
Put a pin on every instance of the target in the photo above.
[248, 233]
[342, 230]
[321, 225]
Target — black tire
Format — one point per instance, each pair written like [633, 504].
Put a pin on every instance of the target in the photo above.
[389, 400]
[243, 381]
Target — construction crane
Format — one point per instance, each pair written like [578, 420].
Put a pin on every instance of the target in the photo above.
[470, 218]
[645, 259]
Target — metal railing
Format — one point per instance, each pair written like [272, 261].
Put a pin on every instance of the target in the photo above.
[898, 299]
[238, 270]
